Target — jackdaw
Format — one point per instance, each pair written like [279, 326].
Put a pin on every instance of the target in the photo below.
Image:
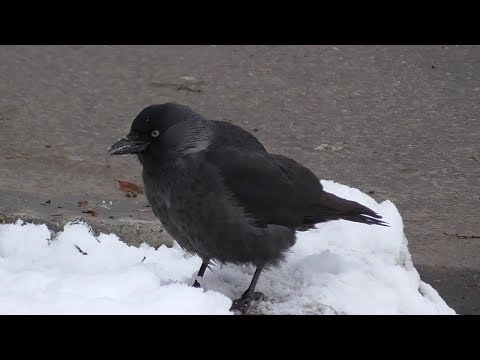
[222, 196]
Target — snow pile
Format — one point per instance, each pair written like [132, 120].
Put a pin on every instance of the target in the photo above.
[338, 268]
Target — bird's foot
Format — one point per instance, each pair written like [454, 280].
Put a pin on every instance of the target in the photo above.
[243, 304]
[196, 284]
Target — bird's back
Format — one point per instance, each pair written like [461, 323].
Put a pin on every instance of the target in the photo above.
[273, 189]
[276, 189]
[226, 134]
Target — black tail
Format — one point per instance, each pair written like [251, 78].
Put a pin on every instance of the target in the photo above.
[331, 207]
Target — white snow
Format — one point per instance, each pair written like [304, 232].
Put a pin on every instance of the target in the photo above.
[338, 268]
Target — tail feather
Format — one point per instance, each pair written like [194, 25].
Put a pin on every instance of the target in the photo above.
[331, 207]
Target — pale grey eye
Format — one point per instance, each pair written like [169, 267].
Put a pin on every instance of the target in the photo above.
[155, 133]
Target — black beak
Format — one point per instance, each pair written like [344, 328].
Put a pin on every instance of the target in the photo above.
[131, 144]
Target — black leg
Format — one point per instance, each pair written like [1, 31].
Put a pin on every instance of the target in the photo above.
[253, 284]
[201, 272]
[249, 295]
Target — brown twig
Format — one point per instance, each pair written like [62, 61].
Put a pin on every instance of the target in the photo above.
[463, 236]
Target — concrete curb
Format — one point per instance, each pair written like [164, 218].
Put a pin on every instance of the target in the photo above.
[132, 221]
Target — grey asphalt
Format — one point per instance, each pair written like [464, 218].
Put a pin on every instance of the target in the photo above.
[399, 121]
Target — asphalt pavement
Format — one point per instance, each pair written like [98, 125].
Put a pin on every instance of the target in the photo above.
[400, 122]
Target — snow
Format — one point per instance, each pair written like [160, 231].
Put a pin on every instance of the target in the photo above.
[337, 268]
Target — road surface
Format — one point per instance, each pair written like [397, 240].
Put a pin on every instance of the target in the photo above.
[401, 122]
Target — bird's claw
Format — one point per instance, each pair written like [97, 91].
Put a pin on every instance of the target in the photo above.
[243, 304]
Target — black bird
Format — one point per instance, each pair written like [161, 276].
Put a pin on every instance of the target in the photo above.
[222, 196]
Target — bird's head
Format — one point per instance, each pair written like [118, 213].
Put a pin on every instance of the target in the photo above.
[149, 128]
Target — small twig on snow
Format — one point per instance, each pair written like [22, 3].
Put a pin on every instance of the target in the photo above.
[80, 250]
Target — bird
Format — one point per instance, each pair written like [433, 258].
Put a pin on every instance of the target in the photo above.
[222, 196]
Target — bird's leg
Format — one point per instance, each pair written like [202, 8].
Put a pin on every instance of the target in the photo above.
[249, 295]
[201, 272]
